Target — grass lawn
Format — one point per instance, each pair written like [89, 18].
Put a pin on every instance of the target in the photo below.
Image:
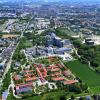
[6, 81]
[68, 32]
[55, 95]
[50, 95]
[95, 89]
[87, 75]
[28, 43]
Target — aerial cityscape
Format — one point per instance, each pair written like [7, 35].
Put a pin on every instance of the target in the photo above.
[49, 50]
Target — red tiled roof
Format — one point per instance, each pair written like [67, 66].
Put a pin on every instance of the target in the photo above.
[42, 72]
[28, 75]
[56, 69]
[39, 73]
[60, 65]
[27, 71]
[58, 79]
[67, 73]
[49, 67]
[70, 82]
[35, 65]
[31, 79]
[55, 74]
[42, 69]
[23, 85]
[45, 69]
[17, 77]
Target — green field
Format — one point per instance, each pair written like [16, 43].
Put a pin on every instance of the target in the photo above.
[87, 75]
[68, 32]
[28, 43]
[95, 89]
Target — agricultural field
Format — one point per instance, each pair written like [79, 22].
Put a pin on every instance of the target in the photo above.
[87, 75]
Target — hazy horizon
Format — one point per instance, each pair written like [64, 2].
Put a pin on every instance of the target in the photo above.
[50, 0]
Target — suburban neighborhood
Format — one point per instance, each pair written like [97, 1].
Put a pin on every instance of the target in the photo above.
[49, 50]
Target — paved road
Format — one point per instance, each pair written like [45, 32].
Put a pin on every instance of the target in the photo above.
[6, 54]
[26, 27]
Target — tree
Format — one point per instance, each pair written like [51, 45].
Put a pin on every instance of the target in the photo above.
[83, 60]
[98, 69]
[95, 63]
[95, 97]
[84, 86]
[63, 98]
[72, 97]
[77, 43]
[51, 98]
[75, 88]
[81, 98]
